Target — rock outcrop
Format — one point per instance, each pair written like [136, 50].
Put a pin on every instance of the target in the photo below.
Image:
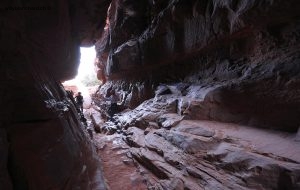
[43, 144]
[244, 55]
[231, 61]
[230, 73]
[173, 151]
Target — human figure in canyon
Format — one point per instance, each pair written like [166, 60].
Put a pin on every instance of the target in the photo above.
[79, 101]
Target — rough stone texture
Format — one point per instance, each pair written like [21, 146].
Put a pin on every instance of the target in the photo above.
[198, 154]
[97, 121]
[183, 28]
[134, 137]
[168, 121]
[126, 20]
[131, 94]
[150, 110]
[243, 54]
[118, 166]
[48, 146]
[43, 144]
[193, 128]
[238, 61]
[221, 60]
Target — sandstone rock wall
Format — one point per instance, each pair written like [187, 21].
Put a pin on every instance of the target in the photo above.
[173, 151]
[130, 93]
[247, 50]
[243, 55]
[43, 144]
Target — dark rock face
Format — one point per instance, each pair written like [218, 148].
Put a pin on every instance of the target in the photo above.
[126, 20]
[243, 54]
[238, 61]
[131, 94]
[43, 144]
[183, 29]
[5, 178]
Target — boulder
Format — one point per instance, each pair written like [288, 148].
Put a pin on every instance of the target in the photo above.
[169, 120]
[194, 128]
[135, 137]
[97, 121]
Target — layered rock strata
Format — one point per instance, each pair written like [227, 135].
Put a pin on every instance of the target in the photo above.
[222, 62]
[247, 52]
[43, 144]
[173, 151]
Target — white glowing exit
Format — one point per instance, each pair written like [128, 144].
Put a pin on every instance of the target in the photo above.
[87, 60]
[86, 76]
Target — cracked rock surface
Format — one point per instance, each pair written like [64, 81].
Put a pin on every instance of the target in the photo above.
[202, 154]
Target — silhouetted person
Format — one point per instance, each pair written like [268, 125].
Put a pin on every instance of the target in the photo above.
[79, 101]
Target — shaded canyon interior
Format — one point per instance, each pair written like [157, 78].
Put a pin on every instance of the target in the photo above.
[211, 93]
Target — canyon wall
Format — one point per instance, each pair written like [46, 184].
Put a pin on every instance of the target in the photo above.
[217, 72]
[244, 55]
[43, 144]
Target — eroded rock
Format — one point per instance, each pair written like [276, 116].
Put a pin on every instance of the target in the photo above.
[194, 128]
[97, 121]
[202, 154]
[135, 137]
[169, 120]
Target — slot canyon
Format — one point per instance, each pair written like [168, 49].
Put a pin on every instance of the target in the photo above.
[209, 95]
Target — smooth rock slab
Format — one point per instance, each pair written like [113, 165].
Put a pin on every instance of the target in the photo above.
[97, 121]
[257, 169]
[194, 128]
[135, 137]
[191, 143]
[172, 155]
[169, 120]
[150, 160]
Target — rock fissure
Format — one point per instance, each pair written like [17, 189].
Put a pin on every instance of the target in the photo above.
[209, 95]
